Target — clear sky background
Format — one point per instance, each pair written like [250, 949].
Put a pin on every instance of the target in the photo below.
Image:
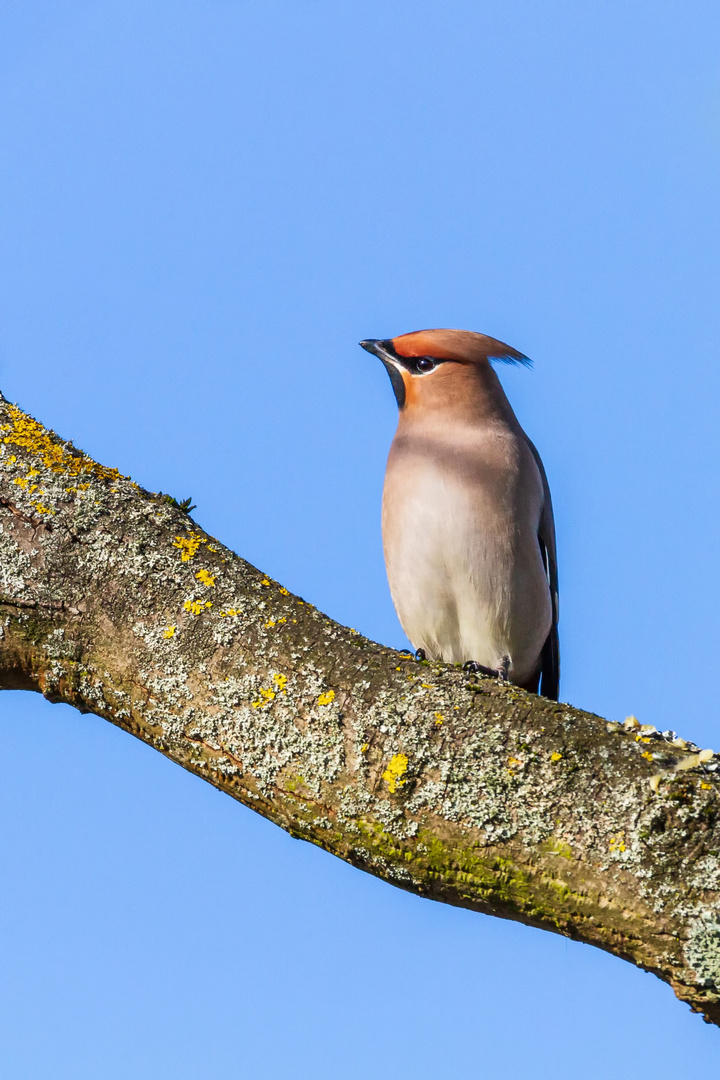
[204, 206]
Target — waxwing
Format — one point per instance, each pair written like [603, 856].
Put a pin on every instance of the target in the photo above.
[467, 520]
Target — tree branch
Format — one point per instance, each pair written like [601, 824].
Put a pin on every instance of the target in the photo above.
[456, 788]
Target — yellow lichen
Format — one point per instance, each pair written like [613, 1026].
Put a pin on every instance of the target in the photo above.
[647, 755]
[264, 581]
[205, 577]
[283, 591]
[32, 436]
[196, 606]
[555, 756]
[189, 545]
[439, 718]
[23, 481]
[281, 682]
[169, 631]
[231, 612]
[393, 775]
[617, 843]
[266, 698]
[326, 698]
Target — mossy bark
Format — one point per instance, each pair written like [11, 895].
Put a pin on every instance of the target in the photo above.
[457, 788]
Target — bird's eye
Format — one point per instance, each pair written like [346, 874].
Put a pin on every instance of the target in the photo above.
[424, 364]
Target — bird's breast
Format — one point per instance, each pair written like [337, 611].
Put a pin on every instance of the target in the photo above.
[460, 518]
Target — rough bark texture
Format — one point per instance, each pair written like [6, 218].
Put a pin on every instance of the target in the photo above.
[457, 788]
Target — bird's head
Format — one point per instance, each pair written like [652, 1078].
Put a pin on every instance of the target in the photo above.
[429, 365]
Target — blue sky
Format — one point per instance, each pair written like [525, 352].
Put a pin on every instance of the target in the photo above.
[203, 208]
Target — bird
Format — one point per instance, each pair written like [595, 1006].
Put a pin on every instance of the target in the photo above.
[467, 520]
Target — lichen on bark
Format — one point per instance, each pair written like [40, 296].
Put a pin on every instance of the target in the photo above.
[455, 787]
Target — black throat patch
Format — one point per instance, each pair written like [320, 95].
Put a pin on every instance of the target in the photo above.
[396, 380]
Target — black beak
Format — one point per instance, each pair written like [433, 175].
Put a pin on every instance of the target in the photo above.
[376, 347]
[385, 351]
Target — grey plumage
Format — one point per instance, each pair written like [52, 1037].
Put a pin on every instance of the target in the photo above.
[467, 518]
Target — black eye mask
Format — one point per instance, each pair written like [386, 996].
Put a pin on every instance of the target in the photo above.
[416, 365]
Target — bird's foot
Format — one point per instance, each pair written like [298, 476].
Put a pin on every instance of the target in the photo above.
[500, 673]
[479, 669]
[420, 654]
